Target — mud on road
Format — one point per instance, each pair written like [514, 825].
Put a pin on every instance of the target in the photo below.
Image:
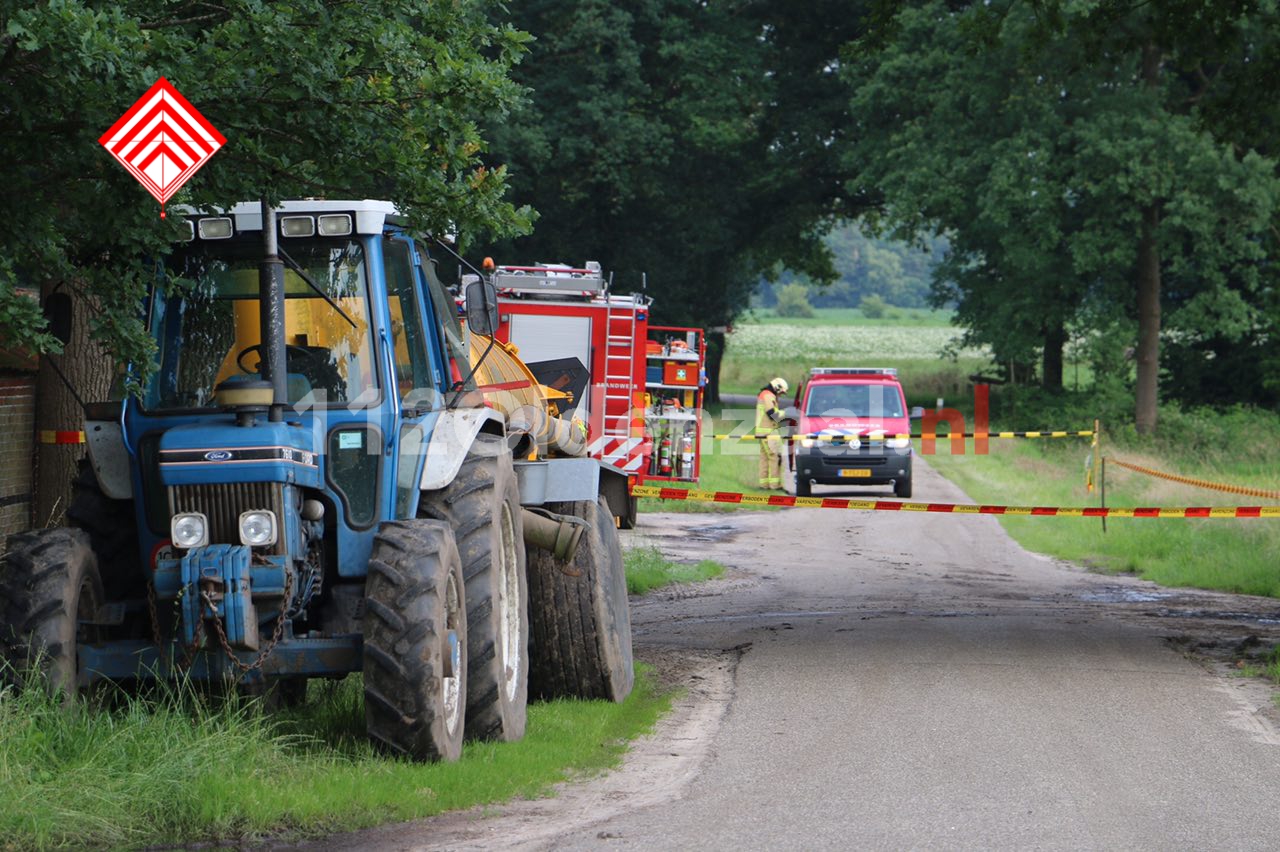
[838, 642]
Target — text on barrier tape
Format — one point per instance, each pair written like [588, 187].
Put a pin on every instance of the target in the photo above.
[1198, 483]
[940, 436]
[954, 508]
[52, 436]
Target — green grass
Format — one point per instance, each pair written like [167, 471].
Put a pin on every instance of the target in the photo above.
[648, 569]
[1233, 555]
[178, 769]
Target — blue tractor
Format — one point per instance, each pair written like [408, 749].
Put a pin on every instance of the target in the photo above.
[312, 484]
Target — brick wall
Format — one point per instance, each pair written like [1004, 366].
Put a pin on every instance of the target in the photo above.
[17, 450]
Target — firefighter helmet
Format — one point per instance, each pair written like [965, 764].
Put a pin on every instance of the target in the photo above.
[779, 385]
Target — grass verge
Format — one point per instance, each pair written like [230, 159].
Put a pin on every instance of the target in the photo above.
[648, 569]
[179, 769]
[1232, 555]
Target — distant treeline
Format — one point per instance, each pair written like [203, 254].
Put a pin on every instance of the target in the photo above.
[900, 273]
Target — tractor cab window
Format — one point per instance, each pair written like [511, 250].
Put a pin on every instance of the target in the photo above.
[416, 382]
[208, 331]
[446, 310]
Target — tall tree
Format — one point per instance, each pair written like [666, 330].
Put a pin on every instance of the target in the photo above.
[1055, 163]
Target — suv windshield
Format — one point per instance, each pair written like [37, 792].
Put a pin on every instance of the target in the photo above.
[875, 401]
[208, 332]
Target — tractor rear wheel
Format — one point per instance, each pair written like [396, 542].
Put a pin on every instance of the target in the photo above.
[580, 643]
[50, 592]
[482, 506]
[113, 534]
[415, 641]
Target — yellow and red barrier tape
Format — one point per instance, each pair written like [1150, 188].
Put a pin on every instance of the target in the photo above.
[1198, 483]
[54, 436]
[954, 508]
[940, 436]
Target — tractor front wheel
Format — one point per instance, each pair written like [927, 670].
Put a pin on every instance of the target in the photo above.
[482, 506]
[415, 641]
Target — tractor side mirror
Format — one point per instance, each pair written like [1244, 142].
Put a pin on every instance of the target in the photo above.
[482, 307]
[57, 311]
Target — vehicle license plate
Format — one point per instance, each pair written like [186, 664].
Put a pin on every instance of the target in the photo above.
[855, 471]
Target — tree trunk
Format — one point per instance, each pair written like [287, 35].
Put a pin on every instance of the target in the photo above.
[714, 341]
[1055, 340]
[88, 369]
[1148, 354]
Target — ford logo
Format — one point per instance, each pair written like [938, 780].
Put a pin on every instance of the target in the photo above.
[217, 455]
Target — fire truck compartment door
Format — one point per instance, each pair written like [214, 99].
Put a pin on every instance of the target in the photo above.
[544, 338]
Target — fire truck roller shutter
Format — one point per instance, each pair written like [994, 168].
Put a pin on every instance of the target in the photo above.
[544, 338]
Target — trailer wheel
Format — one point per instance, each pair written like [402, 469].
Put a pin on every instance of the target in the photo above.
[50, 592]
[415, 641]
[482, 506]
[580, 643]
[113, 534]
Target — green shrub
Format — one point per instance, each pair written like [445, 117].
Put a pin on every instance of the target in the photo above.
[793, 301]
[873, 306]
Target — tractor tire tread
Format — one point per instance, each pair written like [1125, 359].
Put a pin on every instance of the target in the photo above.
[471, 505]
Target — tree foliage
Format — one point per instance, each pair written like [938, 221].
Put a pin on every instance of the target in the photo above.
[315, 97]
[673, 140]
[1059, 159]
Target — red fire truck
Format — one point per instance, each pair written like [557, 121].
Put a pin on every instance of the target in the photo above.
[578, 337]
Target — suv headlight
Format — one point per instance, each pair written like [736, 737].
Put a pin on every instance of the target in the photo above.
[897, 443]
[258, 528]
[189, 529]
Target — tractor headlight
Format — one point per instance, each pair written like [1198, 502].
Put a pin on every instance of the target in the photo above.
[898, 443]
[189, 529]
[258, 528]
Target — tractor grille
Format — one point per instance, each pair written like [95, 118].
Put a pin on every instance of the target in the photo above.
[223, 503]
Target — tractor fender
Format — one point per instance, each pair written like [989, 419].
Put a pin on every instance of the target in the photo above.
[451, 439]
[109, 458]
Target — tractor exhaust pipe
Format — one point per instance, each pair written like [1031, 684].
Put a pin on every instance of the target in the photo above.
[271, 306]
[559, 534]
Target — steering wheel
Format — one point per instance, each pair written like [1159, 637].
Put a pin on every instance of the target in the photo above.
[297, 351]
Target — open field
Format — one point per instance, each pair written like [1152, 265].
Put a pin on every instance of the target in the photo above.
[846, 316]
[925, 352]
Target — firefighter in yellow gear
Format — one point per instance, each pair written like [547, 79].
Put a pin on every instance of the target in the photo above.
[769, 433]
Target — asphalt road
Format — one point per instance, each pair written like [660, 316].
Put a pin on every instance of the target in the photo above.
[893, 681]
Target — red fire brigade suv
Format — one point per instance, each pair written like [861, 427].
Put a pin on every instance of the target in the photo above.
[852, 429]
